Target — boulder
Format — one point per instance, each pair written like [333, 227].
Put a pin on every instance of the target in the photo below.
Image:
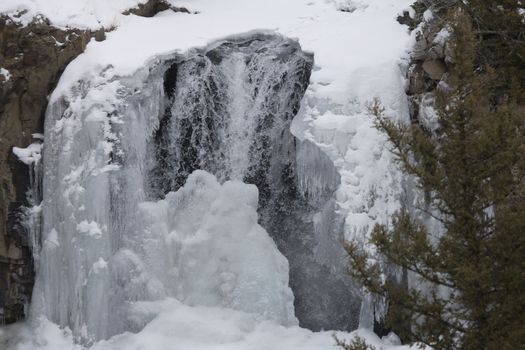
[434, 68]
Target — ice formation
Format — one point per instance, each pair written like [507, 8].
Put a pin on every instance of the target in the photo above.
[128, 219]
[111, 258]
[229, 111]
[217, 253]
[29, 154]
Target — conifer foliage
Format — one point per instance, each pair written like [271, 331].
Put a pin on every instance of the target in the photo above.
[470, 290]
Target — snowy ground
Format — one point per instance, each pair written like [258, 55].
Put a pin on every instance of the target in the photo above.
[179, 327]
[359, 55]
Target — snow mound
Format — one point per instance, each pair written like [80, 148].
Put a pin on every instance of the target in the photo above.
[30, 154]
[217, 253]
[176, 326]
[5, 73]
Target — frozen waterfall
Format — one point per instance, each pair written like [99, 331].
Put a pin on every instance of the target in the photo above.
[184, 181]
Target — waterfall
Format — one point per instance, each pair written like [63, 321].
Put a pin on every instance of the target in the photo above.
[185, 181]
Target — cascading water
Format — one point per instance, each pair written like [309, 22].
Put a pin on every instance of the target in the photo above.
[127, 218]
[229, 112]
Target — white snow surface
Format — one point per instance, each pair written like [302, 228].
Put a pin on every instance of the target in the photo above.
[5, 73]
[359, 56]
[84, 14]
[30, 154]
[181, 327]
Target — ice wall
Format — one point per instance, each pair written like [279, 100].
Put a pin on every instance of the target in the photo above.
[102, 250]
[125, 221]
[229, 111]
[92, 180]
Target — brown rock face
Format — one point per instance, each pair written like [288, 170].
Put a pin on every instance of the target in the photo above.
[34, 56]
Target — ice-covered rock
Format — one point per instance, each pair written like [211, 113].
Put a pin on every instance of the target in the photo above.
[29, 154]
[204, 243]
[108, 126]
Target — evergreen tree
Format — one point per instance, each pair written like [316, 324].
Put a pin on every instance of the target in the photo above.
[471, 293]
[357, 343]
[500, 26]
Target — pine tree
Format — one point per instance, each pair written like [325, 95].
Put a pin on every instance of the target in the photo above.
[357, 343]
[500, 26]
[472, 275]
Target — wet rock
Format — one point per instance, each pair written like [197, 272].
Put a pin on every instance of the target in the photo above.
[431, 57]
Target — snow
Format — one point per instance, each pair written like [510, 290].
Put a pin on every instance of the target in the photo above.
[428, 15]
[30, 154]
[90, 228]
[442, 36]
[5, 73]
[99, 265]
[359, 55]
[176, 326]
[335, 37]
[90, 14]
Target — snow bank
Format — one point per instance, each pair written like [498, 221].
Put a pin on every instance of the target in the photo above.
[176, 326]
[204, 243]
[342, 42]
